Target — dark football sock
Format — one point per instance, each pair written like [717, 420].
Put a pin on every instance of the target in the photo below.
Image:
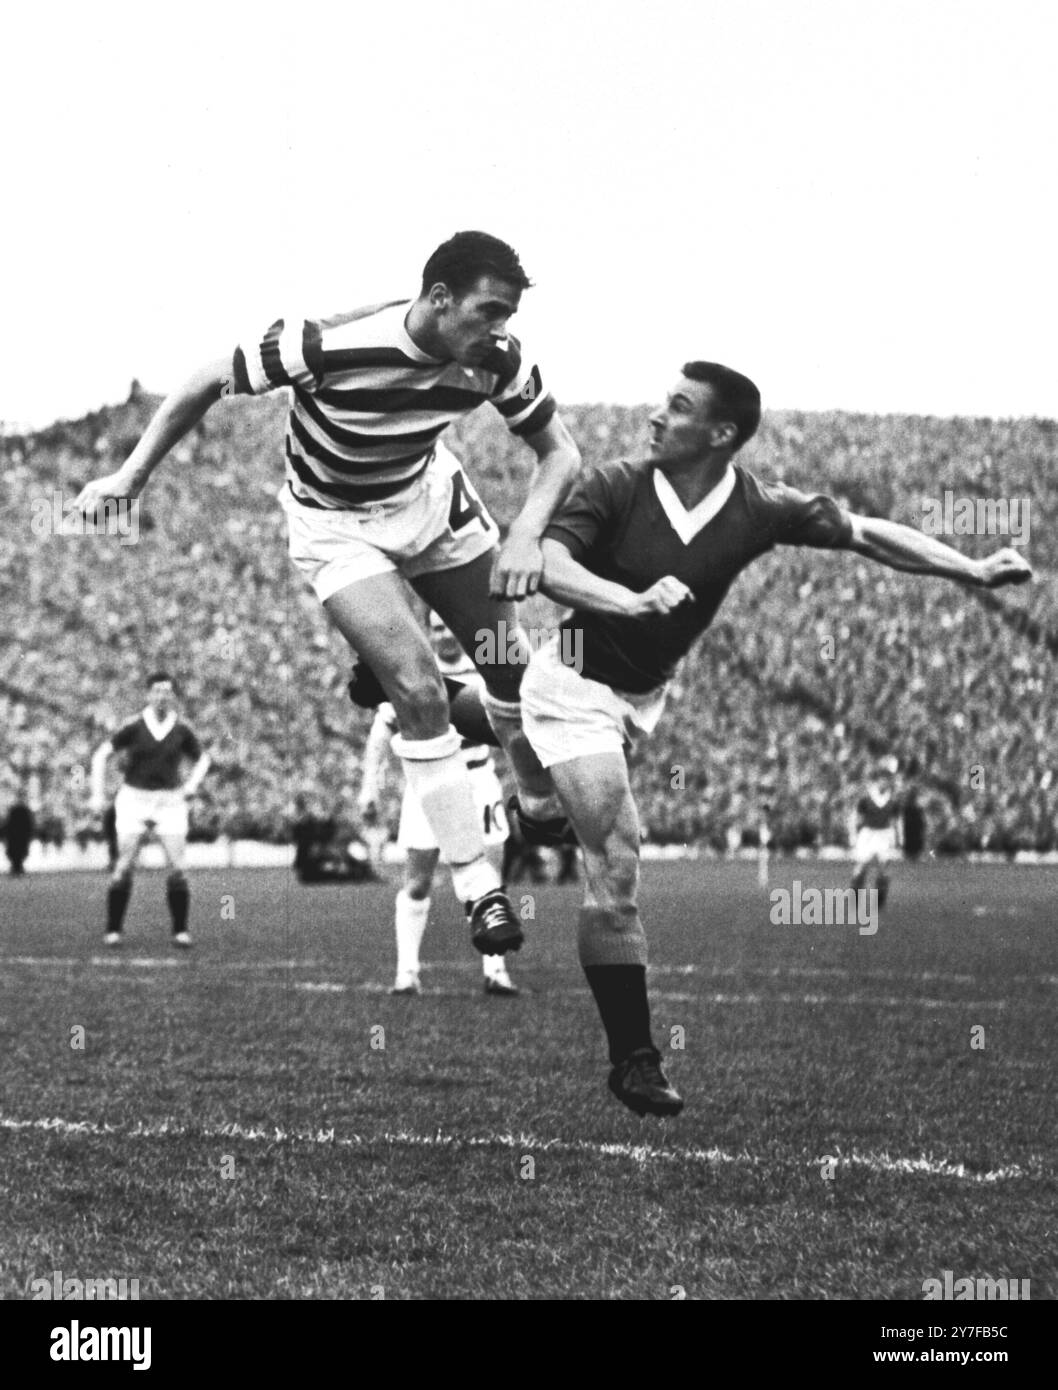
[178, 896]
[118, 895]
[621, 996]
[883, 890]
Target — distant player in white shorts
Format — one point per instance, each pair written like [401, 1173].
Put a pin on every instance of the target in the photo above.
[415, 837]
[152, 802]
[877, 839]
[375, 501]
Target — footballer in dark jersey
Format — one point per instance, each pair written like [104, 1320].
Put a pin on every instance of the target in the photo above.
[644, 553]
[878, 815]
[152, 802]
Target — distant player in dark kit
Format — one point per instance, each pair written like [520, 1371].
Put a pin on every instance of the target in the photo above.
[644, 553]
[152, 802]
[18, 831]
[878, 815]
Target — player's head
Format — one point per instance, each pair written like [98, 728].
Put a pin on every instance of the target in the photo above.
[161, 692]
[471, 286]
[445, 643]
[881, 776]
[711, 410]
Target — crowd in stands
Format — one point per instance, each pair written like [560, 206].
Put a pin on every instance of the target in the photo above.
[817, 663]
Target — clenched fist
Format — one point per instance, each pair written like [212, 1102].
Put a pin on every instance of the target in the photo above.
[662, 597]
[1007, 566]
[114, 485]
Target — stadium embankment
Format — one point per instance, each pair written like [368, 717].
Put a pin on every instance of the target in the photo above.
[818, 663]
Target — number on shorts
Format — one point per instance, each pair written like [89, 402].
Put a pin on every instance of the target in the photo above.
[465, 507]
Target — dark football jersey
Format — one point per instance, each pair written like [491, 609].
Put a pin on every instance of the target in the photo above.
[153, 764]
[875, 815]
[614, 524]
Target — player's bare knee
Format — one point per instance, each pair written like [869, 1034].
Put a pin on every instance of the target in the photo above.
[124, 867]
[612, 873]
[622, 859]
[421, 704]
[622, 873]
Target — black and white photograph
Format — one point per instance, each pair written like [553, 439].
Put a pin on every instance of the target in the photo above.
[528, 722]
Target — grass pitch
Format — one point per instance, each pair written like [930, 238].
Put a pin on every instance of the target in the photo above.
[260, 1119]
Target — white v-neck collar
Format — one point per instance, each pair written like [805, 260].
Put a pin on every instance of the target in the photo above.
[686, 523]
[158, 728]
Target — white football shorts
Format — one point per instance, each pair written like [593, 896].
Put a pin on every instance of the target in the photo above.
[874, 844]
[438, 522]
[565, 715]
[414, 830]
[134, 808]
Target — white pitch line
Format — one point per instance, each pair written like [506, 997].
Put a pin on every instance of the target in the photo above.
[164, 962]
[812, 972]
[639, 1153]
[793, 972]
[754, 1000]
[703, 997]
[709, 972]
[850, 1000]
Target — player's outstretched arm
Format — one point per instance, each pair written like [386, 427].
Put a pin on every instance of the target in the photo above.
[519, 563]
[179, 412]
[566, 580]
[903, 548]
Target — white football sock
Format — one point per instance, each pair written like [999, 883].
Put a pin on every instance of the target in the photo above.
[410, 915]
[494, 967]
[438, 777]
[473, 881]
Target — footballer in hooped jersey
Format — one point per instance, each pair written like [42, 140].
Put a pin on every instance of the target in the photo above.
[374, 499]
[152, 802]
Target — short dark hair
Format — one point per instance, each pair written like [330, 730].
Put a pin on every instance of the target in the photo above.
[464, 258]
[156, 676]
[736, 398]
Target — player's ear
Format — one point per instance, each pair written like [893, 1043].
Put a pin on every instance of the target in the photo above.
[440, 295]
[724, 434]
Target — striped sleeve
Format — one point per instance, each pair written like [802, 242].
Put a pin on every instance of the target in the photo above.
[288, 353]
[520, 395]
